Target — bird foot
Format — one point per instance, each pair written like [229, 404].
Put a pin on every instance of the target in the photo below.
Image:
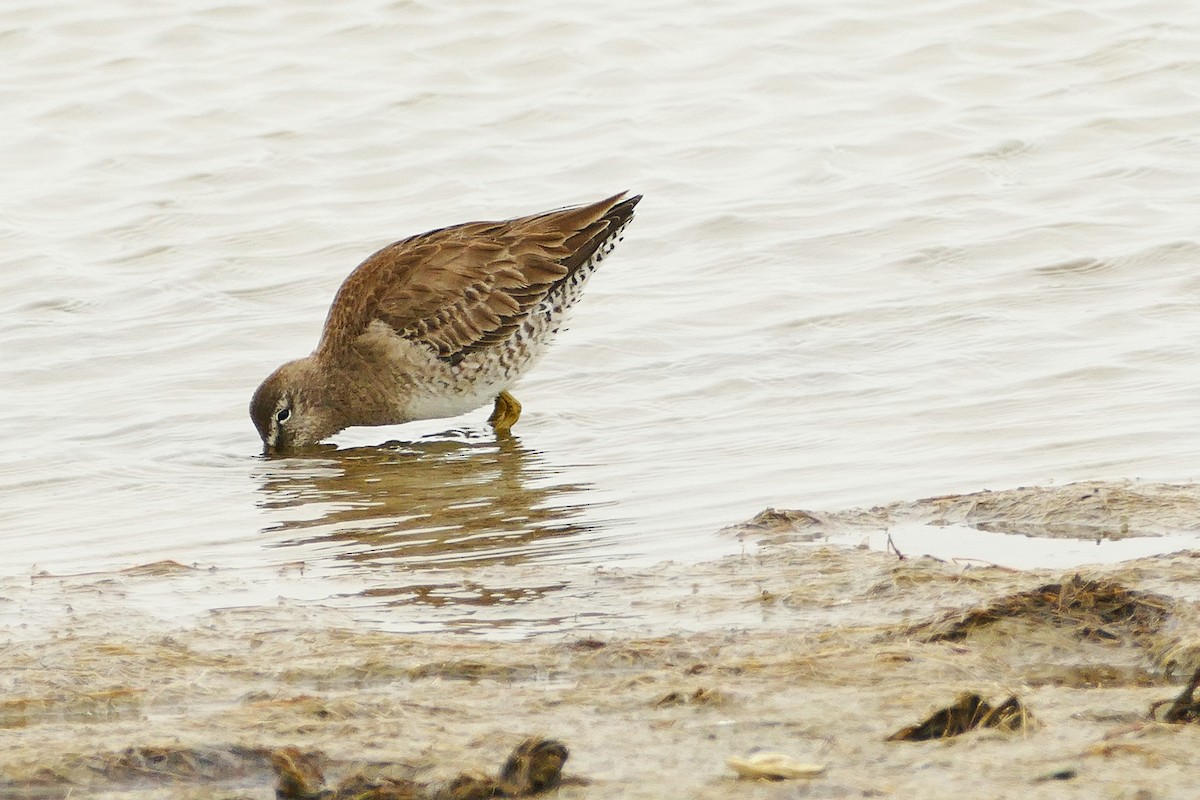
[506, 413]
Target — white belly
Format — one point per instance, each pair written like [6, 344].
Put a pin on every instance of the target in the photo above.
[433, 403]
[432, 389]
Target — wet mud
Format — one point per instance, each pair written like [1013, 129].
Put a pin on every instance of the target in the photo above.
[788, 671]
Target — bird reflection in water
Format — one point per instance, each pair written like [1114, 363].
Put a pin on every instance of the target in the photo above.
[453, 499]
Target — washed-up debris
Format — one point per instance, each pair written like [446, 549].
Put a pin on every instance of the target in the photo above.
[772, 767]
[699, 697]
[1060, 774]
[1096, 609]
[534, 766]
[968, 712]
[1185, 708]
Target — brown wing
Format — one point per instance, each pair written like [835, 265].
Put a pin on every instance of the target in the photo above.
[462, 288]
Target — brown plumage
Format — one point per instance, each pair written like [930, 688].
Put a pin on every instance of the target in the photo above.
[439, 323]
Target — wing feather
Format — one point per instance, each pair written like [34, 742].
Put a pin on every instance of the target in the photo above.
[469, 286]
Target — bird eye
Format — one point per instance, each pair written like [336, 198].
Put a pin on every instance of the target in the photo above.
[282, 415]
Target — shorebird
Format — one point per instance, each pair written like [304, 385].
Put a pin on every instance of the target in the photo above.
[440, 323]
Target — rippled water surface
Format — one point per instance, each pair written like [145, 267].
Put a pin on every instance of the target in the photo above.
[886, 251]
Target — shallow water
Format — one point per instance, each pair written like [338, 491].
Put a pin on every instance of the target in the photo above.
[970, 547]
[885, 252]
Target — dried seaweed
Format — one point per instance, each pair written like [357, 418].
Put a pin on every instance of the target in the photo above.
[1185, 708]
[968, 712]
[1095, 609]
[534, 766]
[171, 764]
[699, 697]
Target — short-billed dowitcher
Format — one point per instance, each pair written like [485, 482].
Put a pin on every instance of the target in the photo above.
[440, 323]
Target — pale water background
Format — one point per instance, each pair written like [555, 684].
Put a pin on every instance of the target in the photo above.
[886, 251]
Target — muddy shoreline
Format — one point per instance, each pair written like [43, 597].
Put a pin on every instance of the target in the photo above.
[818, 653]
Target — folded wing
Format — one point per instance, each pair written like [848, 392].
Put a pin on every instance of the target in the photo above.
[467, 287]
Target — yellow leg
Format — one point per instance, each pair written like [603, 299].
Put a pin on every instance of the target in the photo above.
[506, 413]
